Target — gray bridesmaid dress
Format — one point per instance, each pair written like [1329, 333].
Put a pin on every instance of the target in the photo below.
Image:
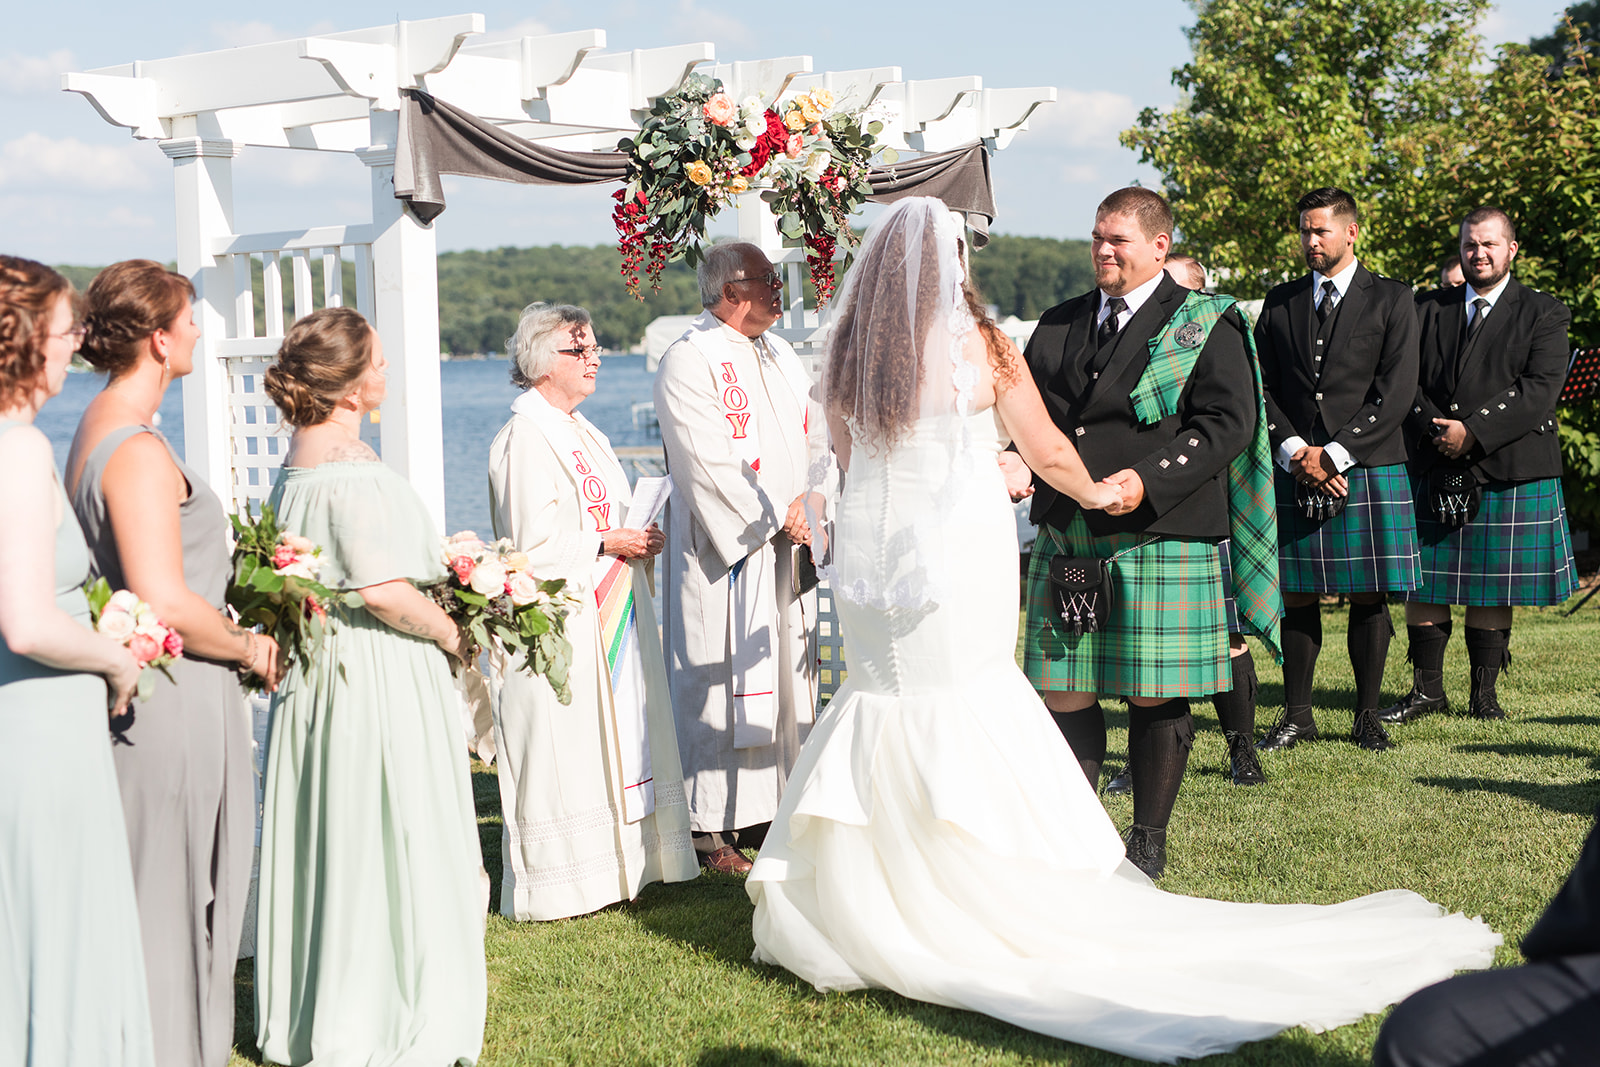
[72, 986]
[188, 795]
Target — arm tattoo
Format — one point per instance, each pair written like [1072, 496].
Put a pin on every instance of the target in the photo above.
[354, 451]
[407, 624]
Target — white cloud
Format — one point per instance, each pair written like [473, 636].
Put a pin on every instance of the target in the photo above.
[234, 34]
[34, 74]
[36, 161]
[1081, 119]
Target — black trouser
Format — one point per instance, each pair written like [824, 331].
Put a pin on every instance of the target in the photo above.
[744, 837]
[1544, 1014]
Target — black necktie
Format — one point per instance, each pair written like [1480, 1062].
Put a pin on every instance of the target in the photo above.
[1108, 328]
[1480, 308]
[1330, 300]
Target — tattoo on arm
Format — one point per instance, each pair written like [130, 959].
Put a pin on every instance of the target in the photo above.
[407, 624]
[355, 451]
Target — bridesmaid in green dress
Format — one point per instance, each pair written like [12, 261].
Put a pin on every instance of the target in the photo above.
[369, 942]
[72, 985]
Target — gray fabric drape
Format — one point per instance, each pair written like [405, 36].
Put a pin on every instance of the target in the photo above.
[438, 138]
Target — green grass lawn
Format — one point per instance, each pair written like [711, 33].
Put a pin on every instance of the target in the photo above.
[1484, 818]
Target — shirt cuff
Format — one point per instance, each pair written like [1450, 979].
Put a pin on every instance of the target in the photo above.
[1342, 459]
[1287, 450]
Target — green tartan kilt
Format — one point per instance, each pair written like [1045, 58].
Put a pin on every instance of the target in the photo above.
[1168, 631]
[1516, 551]
[1369, 547]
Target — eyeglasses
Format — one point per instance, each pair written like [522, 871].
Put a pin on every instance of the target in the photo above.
[772, 279]
[583, 353]
[75, 335]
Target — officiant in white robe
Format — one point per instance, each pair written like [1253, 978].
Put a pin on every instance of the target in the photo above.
[741, 432]
[591, 792]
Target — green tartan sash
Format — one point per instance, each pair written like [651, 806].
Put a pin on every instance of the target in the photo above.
[1252, 507]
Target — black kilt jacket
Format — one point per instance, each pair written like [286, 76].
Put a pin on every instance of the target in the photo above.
[1359, 394]
[1503, 385]
[1183, 458]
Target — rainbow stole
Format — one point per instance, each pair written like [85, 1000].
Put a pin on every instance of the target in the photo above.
[613, 597]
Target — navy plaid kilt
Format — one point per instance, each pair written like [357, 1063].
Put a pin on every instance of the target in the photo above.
[1168, 631]
[1369, 547]
[1517, 550]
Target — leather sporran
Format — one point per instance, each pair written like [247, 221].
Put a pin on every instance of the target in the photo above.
[1082, 588]
[1316, 505]
[1454, 495]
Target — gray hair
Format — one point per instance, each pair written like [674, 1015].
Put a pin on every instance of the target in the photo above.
[722, 263]
[533, 347]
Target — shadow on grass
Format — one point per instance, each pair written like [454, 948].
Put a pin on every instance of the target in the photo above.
[1562, 720]
[486, 798]
[244, 1011]
[1575, 799]
[1534, 749]
[745, 1056]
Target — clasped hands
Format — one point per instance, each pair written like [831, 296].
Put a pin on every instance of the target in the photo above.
[797, 527]
[634, 544]
[1312, 466]
[1452, 437]
[1118, 494]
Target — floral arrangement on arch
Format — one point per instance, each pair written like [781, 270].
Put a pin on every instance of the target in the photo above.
[700, 148]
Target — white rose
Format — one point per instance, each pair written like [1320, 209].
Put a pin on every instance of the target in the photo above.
[524, 589]
[489, 578]
[300, 568]
[298, 543]
[116, 624]
[745, 143]
[754, 115]
[123, 600]
[145, 618]
[816, 163]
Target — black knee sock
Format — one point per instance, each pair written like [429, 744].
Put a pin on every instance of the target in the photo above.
[1368, 641]
[1085, 731]
[1426, 653]
[1159, 740]
[1488, 651]
[1302, 640]
[1236, 709]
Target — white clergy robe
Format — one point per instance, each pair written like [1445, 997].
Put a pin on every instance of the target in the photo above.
[720, 512]
[567, 845]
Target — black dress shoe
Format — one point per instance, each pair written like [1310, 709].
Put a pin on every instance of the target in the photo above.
[1369, 733]
[1412, 705]
[1243, 767]
[1121, 784]
[1286, 735]
[1487, 707]
[1147, 850]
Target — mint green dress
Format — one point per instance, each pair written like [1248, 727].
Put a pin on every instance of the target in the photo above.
[369, 937]
[72, 985]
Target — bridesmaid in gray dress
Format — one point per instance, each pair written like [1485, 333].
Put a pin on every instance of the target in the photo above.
[72, 987]
[183, 757]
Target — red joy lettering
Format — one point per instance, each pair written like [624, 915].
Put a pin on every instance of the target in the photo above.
[740, 420]
[602, 517]
[728, 374]
[733, 397]
[581, 461]
[594, 488]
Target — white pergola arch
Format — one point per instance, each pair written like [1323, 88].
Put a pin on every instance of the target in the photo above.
[340, 92]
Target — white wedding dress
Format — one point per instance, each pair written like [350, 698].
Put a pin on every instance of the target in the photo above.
[937, 838]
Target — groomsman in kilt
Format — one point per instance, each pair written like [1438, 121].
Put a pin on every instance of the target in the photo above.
[1338, 350]
[1486, 465]
[1143, 375]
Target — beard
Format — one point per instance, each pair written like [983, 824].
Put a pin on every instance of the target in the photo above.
[1321, 261]
[1486, 280]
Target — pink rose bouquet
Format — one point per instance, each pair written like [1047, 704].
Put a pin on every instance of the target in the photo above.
[132, 623]
[275, 588]
[493, 595]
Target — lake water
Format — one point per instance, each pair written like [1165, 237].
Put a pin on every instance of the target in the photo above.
[476, 396]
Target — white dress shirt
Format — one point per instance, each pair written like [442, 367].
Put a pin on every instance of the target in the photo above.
[1342, 459]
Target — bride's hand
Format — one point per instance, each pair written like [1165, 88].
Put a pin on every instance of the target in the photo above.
[1105, 496]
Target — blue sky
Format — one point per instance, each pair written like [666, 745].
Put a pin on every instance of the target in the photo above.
[74, 189]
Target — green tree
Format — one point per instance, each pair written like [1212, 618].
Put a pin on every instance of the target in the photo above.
[1023, 276]
[1585, 17]
[1284, 96]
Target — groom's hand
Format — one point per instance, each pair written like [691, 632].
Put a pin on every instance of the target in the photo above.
[1019, 479]
[795, 525]
[1132, 487]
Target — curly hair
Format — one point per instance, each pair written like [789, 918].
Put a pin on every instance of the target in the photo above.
[125, 304]
[28, 295]
[321, 359]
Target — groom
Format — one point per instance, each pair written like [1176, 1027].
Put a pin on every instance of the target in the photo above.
[1145, 378]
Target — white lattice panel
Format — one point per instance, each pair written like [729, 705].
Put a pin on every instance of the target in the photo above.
[259, 440]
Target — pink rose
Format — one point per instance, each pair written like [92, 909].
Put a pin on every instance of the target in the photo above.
[298, 543]
[144, 648]
[720, 109]
[463, 566]
[792, 149]
[173, 644]
[282, 556]
[116, 624]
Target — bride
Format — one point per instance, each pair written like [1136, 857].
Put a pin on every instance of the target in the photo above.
[936, 837]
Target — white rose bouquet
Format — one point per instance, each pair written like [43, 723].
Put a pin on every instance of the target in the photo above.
[275, 588]
[131, 622]
[492, 594]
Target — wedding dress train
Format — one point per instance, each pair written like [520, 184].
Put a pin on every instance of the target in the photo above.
[937, 838]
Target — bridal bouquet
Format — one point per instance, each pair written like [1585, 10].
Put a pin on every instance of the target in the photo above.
[700, 148]
[130, 622]
[493, 596]
[275, 587]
